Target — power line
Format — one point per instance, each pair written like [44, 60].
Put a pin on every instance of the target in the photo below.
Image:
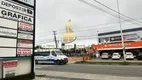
[117, 11]
[105, 11]
[43, 42]
[78, 28]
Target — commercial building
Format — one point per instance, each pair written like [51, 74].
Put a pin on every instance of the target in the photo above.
[111, 41]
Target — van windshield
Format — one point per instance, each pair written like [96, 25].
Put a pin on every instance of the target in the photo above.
[59, 53]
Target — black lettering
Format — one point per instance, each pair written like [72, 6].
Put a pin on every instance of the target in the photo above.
[14, 15]
[25, 18]
[9, 14]
[2, 3]
[22, 17]
[3, 12]
[19, 16]
[30, 20]
[24, 10]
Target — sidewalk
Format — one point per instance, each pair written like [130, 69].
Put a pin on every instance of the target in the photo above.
[57, 75]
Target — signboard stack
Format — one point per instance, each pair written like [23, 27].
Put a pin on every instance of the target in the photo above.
[17, 34]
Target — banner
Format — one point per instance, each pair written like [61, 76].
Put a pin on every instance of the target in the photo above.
[118, 45]
[25, 26]
[25, 43]
[9, 68]
[24, 52]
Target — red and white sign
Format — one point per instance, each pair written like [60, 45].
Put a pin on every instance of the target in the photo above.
[9, 68]
[24, 52]
[25, 43]
[128, 45]
[25, 26]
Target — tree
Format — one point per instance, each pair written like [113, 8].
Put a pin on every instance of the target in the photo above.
[38, 47]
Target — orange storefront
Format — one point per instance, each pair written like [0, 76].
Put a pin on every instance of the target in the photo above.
[118, 46]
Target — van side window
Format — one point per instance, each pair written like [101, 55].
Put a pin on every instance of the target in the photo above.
[53, 53]
[42, 53]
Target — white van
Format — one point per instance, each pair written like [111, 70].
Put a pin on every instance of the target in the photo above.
[50, 56]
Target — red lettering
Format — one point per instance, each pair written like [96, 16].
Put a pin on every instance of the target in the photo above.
[25, 26]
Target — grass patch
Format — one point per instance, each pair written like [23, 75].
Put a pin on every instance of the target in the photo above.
[109, 63]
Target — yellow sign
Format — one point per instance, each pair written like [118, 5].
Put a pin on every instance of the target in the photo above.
[68, 36]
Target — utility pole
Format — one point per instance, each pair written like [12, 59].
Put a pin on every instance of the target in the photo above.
[121, 31]
[55, 38]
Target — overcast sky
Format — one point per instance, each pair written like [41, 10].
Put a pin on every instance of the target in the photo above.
[52, 15]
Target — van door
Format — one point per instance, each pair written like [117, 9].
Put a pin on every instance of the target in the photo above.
[42, 57]
[38, 56]
[53, 56]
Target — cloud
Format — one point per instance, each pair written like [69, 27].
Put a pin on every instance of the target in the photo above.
[53, 15]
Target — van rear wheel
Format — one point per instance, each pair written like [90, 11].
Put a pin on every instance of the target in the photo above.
[58, 62]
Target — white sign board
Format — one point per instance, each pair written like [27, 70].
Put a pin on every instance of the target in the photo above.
[8, 23]
[16, 27]
[25, 35]
[8, 32]
[30, 2]
[6, 42]
[6, 52]
[15, 16]
[17, 8]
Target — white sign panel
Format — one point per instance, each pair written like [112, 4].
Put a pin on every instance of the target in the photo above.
[15, 16]
[25, 26]
[30, 2]
[10, 68]
[25, 43]
[15, 7]
[6, 52]
[7, 42]
[8, 23]
[130, 37]
[24, 52]
[8, 32]
[25, 35]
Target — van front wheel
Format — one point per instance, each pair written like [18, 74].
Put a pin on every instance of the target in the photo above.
[58, 62]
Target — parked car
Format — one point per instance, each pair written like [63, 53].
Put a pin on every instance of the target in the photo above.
[129, 56]
[116, 56]
[105, 56]
[139, 57]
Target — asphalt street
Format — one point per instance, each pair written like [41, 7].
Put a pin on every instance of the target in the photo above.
[113, 70]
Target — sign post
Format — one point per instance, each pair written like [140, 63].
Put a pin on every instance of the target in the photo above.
[17, 39]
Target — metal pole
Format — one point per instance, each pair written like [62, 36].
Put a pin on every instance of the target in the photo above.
[97, 37]
[55, 38]
[122, 40]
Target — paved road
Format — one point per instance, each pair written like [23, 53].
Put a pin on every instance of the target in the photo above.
[116, 70]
